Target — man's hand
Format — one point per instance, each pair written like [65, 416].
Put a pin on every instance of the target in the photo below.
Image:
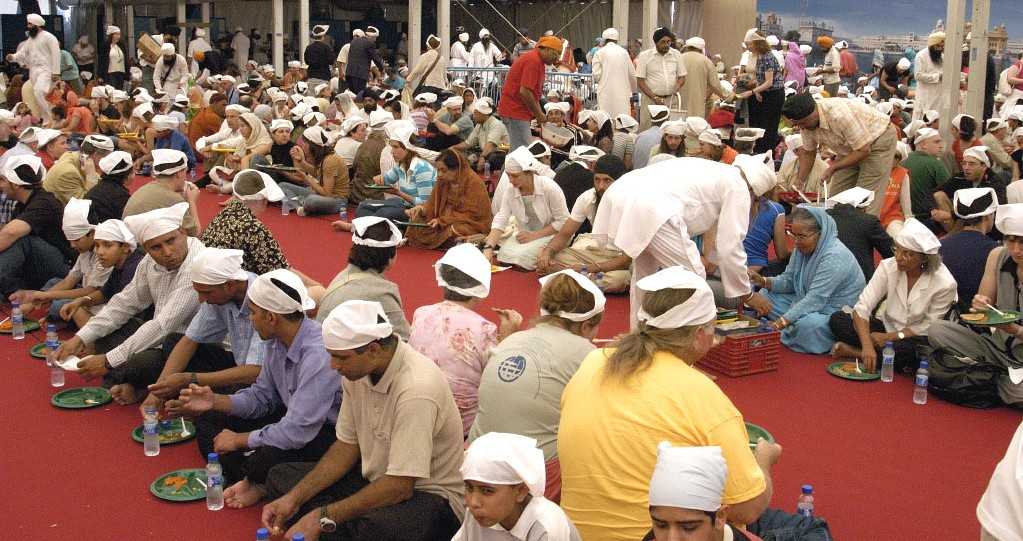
[879, 338]
[151, 401]
[415, 213]
[93, 366]
[194, 401]
[228, 441]
[826, 175]
[525, 236]
[767, 453]
[191, 193]
[277, 512]
[23, 296]
[939, 215]
[169, 386]
[756, 278]
[68, 310]
[308, 525]
[297, 154]
[69, 347]
[543, 262]
[869, 357]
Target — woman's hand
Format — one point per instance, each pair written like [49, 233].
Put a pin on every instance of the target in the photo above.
[525, 236]
[756, 278]
[296, 154]
[415, 213]
[489, 254]
[980, 303]
[759, 303]
[435, 223]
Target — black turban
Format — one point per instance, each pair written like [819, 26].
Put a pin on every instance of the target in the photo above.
[798, 106]
[661, 32]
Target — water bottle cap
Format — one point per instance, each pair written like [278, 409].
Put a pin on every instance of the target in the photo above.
[888, 344]
[298, 537]
[262, 533]
[924, 364]
[807, 489]
[16, 304]
[213, 457]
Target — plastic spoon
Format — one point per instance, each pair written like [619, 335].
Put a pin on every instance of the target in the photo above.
[184, 429]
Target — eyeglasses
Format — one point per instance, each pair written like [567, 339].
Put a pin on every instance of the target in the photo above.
[801, 236]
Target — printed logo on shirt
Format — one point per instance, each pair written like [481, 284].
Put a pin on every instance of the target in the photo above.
[511, 368]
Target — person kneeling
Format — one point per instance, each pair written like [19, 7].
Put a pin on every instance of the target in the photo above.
[392, 474]
[287, 414]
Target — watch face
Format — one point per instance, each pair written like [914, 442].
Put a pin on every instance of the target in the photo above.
[327, 525]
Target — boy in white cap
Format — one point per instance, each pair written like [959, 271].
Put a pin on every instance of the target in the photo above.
[966, 250]
[33, 248]
[398, 423]
[110, 194]
[40, 53]
[68, 177]
[169, 186]
[125, 346]
[198, 356]
[504, 482]
[290, 410]
[87, 275]
[115, 249]
[977, 173]
[927, 175]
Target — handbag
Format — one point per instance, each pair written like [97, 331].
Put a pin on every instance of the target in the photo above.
[406, 94]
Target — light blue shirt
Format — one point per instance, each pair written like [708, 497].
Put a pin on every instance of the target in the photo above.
[418, 181]
[213, 323]
[645, 142]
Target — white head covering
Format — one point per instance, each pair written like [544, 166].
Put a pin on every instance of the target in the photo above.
[403, 131]
[696, 125]
[698, 309]
[521, 159]
[359, 226]
[696, 42]
[281, 124]
[884, 107]
[974, 202]
[748, 134]
[317, 136]
[904, 64]
[711, 137]
[294, 64]
[149, 225]
[978, 153]
[930, 116]
[235, 108]
[167, 49]
[625, 122]
[674, 127]
[759, 171]
[215, 266]
[539, 149]
[956, 120]
[610, 33]
[141, 109]
[452, 102]
[805, 49]
[1017, 133]
[598, 296]
[916, 237]
[266, 292]
[113, 30]
[483, 105]
[164, 122]
[902, 150]
[584, 153]
[167, 161]
[355, 323]
[118, 161]
[36, 19]
[313, 118]
[115, 231]
[76, 218]
[688, 478]
[351, 123]
[24, 170]
[498, 458]
[924, 134]
[912, 128]
[794, 141]
[101, 142]
[471, 261]
[855, 196]
[320, 30]
[426, 97]
[379, 118]
[271, 191]
[658, 112]
[45, 136]
[995, 123]
[1009, 219]
[562, 106]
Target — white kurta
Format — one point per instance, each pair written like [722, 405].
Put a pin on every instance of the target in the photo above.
[615, 76]
[459, 56]
[240, 44]
[928, 85]
[1000, 510]
[172, 82]
[194, 46]
[41, 55]
[541, 520]
[652, 214]
[504, 183]
[484, 56]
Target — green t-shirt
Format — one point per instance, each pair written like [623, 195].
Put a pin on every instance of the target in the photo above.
[926, 175]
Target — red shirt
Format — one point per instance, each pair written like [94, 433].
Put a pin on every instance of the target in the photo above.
[528, 71]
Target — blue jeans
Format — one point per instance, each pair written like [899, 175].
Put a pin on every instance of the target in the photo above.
[53, 315]
[29, 263]
[312, 202]
[393, 209]
[518, 133]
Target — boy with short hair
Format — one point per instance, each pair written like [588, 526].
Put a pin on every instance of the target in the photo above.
[115, 249]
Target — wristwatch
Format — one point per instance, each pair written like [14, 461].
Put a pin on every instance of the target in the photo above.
[326, 524]
[195, 378]
[901, 335]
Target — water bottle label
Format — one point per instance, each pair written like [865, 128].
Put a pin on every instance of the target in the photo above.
[149, 429]
[921, 380]
[805, 512]
[52, 344]
[17, 319]
[214, 481]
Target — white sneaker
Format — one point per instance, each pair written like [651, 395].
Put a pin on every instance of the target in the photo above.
[300, 211]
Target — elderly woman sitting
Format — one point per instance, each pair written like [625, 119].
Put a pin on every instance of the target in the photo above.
[458, 207]
[538, 206]
[822, 276]
[917, 289]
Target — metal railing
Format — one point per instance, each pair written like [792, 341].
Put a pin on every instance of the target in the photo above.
[489, 81]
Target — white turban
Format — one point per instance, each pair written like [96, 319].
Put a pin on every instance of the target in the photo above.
[805, 50]
[610, 33]
[748, 134]
[215, 266]
[855, 196]
[468, 259]
[625, 122]
[360, 225]
[583, 153]
[598, 296]
[379, 118]
[281, 124]
[484, 33]
[978, 153]
[294, 64]
[924, 134]
[24, 170]
[1009, 219]
[759, 171]
[521, 159]
[711, 137]
[452, 102]
[316, 136]
[115, 231]
[564, 107]
[36, 19]
[974, 202]
[118, 161]
[267, 293]
[696, 43]
[320, 30]
[372, 32]
[167, 161]
[140, 110]
[167, 48]
[904, 64]
[270, 191]
[351, 123]
[498, 458]
[355, 323]
[313, 118]
[149, 225]
[916, 237]
[164, 122]
[674, 127]
[45, 136]
[426, 97]
[483, 105]
[658, 112]
[76, 219]
[113, 30]
[101, 142]
[698, 309]
[688, 478]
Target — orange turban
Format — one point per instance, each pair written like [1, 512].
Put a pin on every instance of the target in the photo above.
[198, 56]
[825, 42]
[550, 42]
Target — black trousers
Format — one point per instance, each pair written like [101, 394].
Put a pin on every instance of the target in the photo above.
[355, 84]
[116, 79]
[144, 367]
[766, 114]
[254, 465]
[423, 517]
[906, 351]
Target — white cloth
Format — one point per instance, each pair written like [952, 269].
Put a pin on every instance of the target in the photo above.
[1000, 510]
[615, 76]
[503, 184]
[548, 202]
[481, 56]
[115, 231]
[460, 57]
[917, 237]
[541, 520]
[76, 219]
[241, 43]
[688, 478]
[263, 292]
[342, 55]
[115, 60]
[498, 458]
[468, 259]
[1014, 192]
[355, 323]
[660, 72]
[599, 301]
[932, 295]
[1008, 219]
[149, 225]
[216, 266]
[177, 78]
[928, 85]
[41, 55]
[361, 224]
[698, 309]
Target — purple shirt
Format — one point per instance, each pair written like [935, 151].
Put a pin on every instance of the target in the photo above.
[298, 378]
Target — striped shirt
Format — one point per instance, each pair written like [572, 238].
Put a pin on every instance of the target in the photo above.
[418, 181]
[845, 125]
[168, 291]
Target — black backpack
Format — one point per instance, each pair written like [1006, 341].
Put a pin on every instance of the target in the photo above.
[969, 384]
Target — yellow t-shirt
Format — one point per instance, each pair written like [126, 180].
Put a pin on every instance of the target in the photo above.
[607, 441]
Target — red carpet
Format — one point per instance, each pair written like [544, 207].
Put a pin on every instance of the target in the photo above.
[882, 467]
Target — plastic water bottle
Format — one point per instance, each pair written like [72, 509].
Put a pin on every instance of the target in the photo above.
[343, 215]
[486, 170]
[52, 343]
[298, 537]
[887, 363]
[804, 506]
[214, 483]
[262, 534]
[920, 386]
[765, 325]
[17, 322]
[150, 432]
[285, 206]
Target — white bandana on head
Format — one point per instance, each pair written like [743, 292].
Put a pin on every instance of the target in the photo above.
[76, 219]
[167, 161]
[248, 177]
[520, 160]
[917, 237]
[360, 225]
[586, 154]
[688, 478]
[598, 296]
[978, 153]
[855, 196]
[281, 124]
[1009, 219]
[281, 292]
[149, 225]
[698, 309]
[118, 161]
[355, 323]
[759, 171]
[24, 170]
[215, 266]
[115, 231]
[471, 261]
[498, 458]
[674, 127]
[974, 202]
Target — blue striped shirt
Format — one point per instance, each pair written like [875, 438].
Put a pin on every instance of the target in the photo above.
[417, 182]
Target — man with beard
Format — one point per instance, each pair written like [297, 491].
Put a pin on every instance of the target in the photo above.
[40, 53]
[660, 74]
[171, 72]
[927, 73]
[459, 55]
[608, 266]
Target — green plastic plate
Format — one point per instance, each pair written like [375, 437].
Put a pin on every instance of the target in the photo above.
[193, 489]
[847, 370]
[756, 432]
[992, 318]
[411, 224]
[38, 351]
[81, 398]
[377, 187]
[168, 436]
[282, 168]
[30, 325]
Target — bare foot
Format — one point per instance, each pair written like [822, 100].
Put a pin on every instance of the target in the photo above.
[125, 394]
[341, 225]
[842, 350]
[243, 494]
